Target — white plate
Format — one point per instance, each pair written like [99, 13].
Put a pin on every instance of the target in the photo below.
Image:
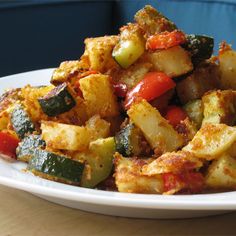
[109, 203]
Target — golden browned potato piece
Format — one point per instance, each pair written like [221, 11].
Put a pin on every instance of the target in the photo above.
[133, 75]
[172, 162]
[7, 101]
[159, 133]
[211, 141]
[174, 61]
[204, 78]
[9, 97]
[129, 178]
[222, 173]
[69, 69]
[99, 96]
[99, 51]
[71, 137]
[227, 62]
[219, 107]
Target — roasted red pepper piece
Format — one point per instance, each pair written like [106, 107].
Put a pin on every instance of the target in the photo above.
[8, 144]
[165, 40]
[153, 85]
[192, 182]
[175, 115]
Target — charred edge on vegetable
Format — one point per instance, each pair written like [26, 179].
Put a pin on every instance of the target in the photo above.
[126, 141]
[200, 47]
[57, 101]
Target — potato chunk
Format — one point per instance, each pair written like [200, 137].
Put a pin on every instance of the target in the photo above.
[99, 51]
[129, 179]
[172, 162]
[7, 102]
[133, 75]
[203, 79]
[211, 141]
[227, 62]
[222, 173]
[71, 137]
[67, 70]
[218, 107]
[174, 61]
[99, 127]
[158, 132]
[98, 94]
[66, 137]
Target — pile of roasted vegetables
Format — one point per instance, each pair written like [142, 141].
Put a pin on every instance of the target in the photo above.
[147, 111]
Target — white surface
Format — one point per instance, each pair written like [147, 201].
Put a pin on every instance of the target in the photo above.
[111, 203]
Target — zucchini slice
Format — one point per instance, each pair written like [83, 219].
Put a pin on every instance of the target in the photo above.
[26, 147]
[130, 47]
[99, 161]
[56, 167]
[153, 22]
[57, 101]
[21, 122]
[200, 47]
[128, 141]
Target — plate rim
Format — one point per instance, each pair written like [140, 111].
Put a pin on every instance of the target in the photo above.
[214, 201]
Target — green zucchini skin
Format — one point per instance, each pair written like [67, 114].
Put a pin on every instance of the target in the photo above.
[57, 101]
[127, 141]
[200, 47]
[21, 122]
[57, 167]
[130, 46]
[27, 146]
[194, 110]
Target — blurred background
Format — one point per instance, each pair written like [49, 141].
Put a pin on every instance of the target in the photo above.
[38, 34]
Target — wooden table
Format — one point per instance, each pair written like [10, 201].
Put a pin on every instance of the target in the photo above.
[24, 214]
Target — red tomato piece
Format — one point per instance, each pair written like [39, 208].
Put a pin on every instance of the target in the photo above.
[8, 144]
[175, 115]
[153, 85]
[165, 40]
